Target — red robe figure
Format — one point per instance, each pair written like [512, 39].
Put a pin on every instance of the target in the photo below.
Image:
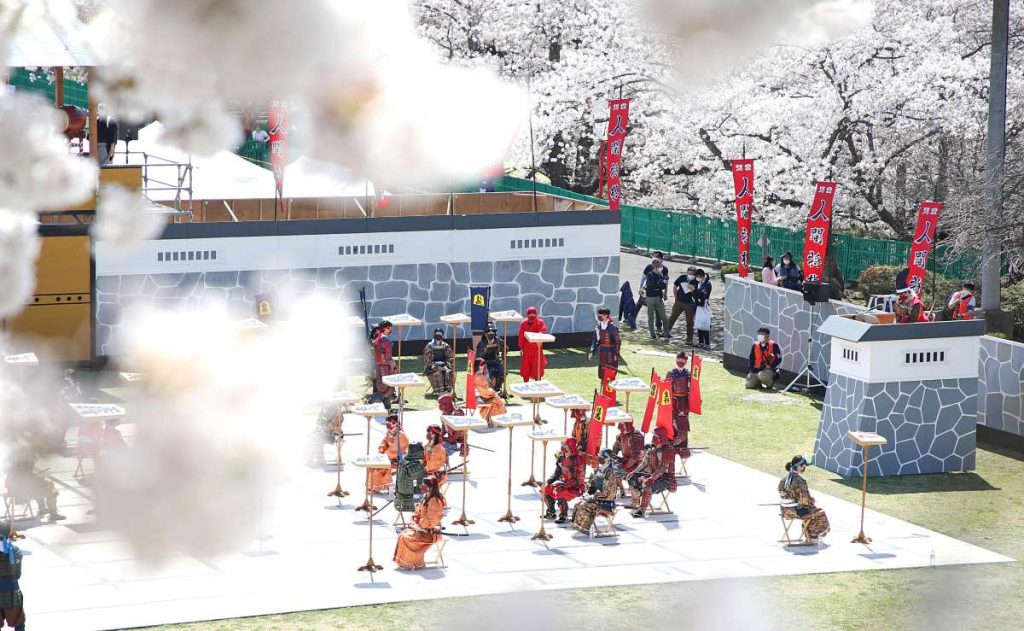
[679, 377]
[566, 483]
[528, 368]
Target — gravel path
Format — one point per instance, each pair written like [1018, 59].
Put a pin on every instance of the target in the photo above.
[631, 267]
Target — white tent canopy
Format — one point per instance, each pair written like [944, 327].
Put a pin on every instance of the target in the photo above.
[227, 176]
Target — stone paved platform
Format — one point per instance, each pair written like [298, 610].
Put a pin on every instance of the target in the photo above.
[725, 525]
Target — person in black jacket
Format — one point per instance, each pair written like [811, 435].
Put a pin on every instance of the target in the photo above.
[655, 289]
[642, 302]
[684, 303]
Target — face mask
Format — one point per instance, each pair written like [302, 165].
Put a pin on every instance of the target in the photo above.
[760, 338]
[490, 335]
[787, 261]
[680, 364]
[700, 279]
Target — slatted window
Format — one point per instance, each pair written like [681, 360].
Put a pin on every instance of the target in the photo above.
[850, 354]
[533, 244]
[369, 248]
[186, 255]
[924, 357]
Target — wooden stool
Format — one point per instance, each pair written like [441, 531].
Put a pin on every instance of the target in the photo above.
[399, 517]
[663, 508]
[438, 560]
[787, 512]
[609, 529]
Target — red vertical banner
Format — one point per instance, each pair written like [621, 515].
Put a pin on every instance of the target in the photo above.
[618, 121]
[743, 183]
[819, 223]
[665, 408]
[470, 380]
[608, 375]
[696, 372]
[279, 122]
[924, 240]
[601, 405]
[652, 400]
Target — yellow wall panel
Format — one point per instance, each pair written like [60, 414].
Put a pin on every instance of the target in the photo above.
[55, 332]
[63, 266]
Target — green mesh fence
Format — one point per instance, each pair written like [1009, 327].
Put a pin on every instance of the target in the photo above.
[41, 82]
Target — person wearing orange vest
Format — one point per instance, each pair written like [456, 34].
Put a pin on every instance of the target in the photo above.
[909, 308]
[962, 303]
[765, 358]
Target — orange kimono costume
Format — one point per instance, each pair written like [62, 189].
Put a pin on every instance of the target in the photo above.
[435, 462]
[487, 395]
[380, 479]
[415, 540]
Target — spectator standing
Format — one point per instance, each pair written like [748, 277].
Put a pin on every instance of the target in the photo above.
[659, 256]
[768, 271]
[684, 303]
[962, 303]
[654, 293]
[788, 274]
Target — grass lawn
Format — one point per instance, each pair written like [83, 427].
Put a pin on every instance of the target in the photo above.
[985, 507]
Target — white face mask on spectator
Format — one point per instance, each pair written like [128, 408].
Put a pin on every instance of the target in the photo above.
[761, 338]
[787, 261]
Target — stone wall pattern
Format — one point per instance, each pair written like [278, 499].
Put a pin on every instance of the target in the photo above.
[567, 292]
[1002, 374]
[930, 426]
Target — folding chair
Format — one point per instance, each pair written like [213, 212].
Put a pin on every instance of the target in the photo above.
[663, 508]
[438, 560]
[608, 530]
[788, 515]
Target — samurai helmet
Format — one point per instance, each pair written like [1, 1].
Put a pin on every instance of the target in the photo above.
[434, 430]
[626, 427]
[660, 433]
[571, 446]
[491, 328]
[438, 333]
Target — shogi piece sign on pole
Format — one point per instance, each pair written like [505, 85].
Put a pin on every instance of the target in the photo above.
[819, 223]
[924, 239]
[618, 121]
[743, 182]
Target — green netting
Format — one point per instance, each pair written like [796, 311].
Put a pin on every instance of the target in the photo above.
[41, 82]
[711, 238]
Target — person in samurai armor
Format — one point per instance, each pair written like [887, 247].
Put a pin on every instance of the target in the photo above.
[679, 377]
[394, 439]
[12, 602]
[628, 449]
[656, 474]
[602, 489]
[607, 343]
[384, 363]
[793, 488]
[565, 483]
[407, 480]
[438, 360]
[328, 431]
[492, 350]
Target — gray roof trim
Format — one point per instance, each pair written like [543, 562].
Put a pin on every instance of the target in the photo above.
[856, 331]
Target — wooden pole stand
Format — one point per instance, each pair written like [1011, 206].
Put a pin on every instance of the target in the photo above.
[508, 517]
[542, 534]
[370, 566]
[861, 537]
[463, 520]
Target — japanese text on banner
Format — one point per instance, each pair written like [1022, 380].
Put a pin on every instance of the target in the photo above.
[743, 181]
[921, 246]
[618, 121]
[279, 121]
[819, 223]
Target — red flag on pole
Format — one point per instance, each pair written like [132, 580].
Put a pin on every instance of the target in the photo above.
[618, 121]
[601, 405]
[665, 407]
[743, 183]
[608, 375]
[470, 381]
[652, 400]
[924, 239]
[819, 223]
[696, 368]
[279, 122]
